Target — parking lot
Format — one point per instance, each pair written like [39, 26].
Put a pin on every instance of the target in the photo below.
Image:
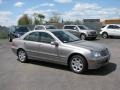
[37, 75]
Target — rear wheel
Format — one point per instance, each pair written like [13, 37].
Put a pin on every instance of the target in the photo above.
[104, 35]
[78, 64]
[22, 56]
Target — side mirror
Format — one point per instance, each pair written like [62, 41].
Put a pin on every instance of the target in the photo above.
[55, 43]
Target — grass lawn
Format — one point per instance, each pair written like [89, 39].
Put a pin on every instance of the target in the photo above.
[3, 40]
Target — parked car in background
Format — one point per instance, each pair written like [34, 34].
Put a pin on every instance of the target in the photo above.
[62, 47]
[16, 32]
[110, 30]
[44, 27]
[84, 32]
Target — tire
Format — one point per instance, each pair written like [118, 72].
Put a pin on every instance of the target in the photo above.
[22, 56]
[104, 35]
[82, 36]
[78, 64]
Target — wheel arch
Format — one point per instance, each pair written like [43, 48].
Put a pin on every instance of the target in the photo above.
[82, 34]
[68, 61]
[19, 50]
[105, 32]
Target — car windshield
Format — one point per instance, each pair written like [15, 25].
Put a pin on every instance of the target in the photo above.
[50, 27]
[65, 36]
[83, 27]
[21, 29]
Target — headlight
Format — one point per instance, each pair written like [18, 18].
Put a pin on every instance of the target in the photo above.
[95, 54]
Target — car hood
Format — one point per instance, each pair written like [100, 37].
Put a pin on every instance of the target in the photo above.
[88, 45]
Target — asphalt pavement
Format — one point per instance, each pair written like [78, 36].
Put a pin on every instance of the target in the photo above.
[37, 75]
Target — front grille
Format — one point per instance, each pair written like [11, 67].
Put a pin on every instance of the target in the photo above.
[102, 61]
[104, 52]
[93, 33]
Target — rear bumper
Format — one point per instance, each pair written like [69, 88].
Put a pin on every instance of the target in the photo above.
[94, 64]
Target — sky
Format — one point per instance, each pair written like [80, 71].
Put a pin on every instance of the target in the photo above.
[12, 10]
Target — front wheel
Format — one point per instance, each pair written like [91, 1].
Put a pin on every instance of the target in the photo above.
[105, 35]
[78, 64]
[22, 56]
[82, 36]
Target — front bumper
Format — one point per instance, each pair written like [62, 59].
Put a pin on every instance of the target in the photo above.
[91, 35]
[14, 49]
[94, 64]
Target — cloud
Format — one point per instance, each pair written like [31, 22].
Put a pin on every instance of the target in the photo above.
[63, 1]
[85, 6]
[18, 4]
[90, 11]
[47, 10]
[5, 18]
[47, 4]
[38, 7]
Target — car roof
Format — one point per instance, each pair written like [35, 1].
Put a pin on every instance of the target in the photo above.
[49, 30]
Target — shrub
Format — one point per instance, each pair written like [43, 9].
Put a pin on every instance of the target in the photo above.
[3, 34]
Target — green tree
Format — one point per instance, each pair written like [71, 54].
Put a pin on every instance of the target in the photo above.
[24, 20]
[38, 18]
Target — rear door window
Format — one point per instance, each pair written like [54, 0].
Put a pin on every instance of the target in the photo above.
[113, 27]
[32, 37]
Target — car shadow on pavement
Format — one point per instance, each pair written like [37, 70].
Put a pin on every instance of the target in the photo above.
[97, 39]
[105, 70]
[48, 64]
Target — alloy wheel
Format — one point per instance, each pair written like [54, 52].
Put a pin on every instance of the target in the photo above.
[83, 37]
[22, 56]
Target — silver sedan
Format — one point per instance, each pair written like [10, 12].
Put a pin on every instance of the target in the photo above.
[62, 47]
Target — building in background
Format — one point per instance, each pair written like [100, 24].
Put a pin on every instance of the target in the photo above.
[93, 23]
[112, 21]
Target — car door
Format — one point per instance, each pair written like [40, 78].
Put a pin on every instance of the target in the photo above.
[31, 44]
[117, 30]
[111, 30]
[47, 50]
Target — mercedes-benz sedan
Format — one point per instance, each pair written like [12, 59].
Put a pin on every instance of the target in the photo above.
[62, 47]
